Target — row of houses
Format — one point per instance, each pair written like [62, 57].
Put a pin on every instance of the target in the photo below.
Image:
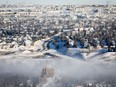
[35, 10]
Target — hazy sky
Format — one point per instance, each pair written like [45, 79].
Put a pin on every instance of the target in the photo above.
[59, 2]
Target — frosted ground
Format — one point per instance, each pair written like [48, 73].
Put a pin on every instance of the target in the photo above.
[74, 65]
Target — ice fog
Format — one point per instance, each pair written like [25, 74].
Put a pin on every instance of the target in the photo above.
[63, 66]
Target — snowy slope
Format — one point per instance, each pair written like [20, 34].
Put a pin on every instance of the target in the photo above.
[75, 64]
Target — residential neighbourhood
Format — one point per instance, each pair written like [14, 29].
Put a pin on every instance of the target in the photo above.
[57, 45]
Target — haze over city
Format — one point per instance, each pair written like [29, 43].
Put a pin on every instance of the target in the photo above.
[59, 2]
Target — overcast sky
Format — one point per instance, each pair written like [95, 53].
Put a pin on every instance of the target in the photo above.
[58, 2]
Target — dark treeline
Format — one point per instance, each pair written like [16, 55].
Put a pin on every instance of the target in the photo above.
[11, 80]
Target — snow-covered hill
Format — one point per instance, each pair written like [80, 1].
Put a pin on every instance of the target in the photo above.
[74, 64]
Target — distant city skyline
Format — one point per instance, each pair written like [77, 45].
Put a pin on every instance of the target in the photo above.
[59, 2]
